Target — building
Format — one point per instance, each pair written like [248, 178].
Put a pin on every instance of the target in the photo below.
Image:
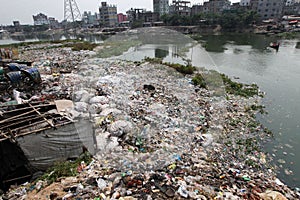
[291, 2]
[53, 23]
[142, 16]
[269, 9]
[134, 14]
[89, 19]
[121, 18]
[181, 8]
[161, 6]
[245, 3]
[40, 19]
[216, 6]
[108, 15]
[196, 9]
[292, 9]
[17, 23]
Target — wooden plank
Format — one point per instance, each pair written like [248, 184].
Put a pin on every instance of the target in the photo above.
[15, 179]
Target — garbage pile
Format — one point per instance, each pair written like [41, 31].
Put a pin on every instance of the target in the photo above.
[160, 137]
[18, 75]
[6, 53]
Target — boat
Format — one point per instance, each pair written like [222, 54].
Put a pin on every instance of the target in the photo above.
[274, 45]
[293, 22]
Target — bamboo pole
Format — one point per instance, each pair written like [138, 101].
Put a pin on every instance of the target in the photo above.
[35, 131]
[14, 117]
[21, 120]
[50, 123]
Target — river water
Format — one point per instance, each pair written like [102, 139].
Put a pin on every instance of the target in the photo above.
[248, 57]
[277, 74]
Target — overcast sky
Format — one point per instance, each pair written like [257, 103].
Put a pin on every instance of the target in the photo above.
[22, 10]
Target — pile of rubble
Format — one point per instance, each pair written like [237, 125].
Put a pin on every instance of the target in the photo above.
[159, 137]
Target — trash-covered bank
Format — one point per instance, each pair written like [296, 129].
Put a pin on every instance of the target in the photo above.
[158, 137]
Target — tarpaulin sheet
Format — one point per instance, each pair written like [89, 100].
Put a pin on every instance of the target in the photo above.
[45, 148]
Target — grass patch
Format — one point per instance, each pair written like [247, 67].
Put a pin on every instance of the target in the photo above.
[214, 80]
[78, 46]
[183, 69]
[259, 108]
[199, 80]
[240, 89]
[249, 145]
[65, 169]
[153, 60]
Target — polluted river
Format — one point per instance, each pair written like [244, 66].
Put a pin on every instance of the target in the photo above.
[247, 58]
[165, 130]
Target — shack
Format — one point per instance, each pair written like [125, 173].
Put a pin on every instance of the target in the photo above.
[33, 136]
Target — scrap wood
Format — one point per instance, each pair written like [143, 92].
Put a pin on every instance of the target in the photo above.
[28, 126]
[5, 120]
[34, 131]
[50, 123]
[42, 129]
[20, 120]
[35, 104]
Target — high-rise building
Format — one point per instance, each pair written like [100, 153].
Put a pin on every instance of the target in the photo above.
[108, 15]
[269, 9]
[161, 6]
[216, 6]
[182, 8]
[292, 7]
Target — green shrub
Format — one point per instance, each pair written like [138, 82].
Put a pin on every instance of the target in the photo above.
[65, 168]
[199, 80]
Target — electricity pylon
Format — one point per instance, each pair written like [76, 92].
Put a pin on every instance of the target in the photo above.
[71, 11]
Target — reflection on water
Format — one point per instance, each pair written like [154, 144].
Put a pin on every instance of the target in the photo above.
[169, 53]
[216, 43]
[161, 53]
